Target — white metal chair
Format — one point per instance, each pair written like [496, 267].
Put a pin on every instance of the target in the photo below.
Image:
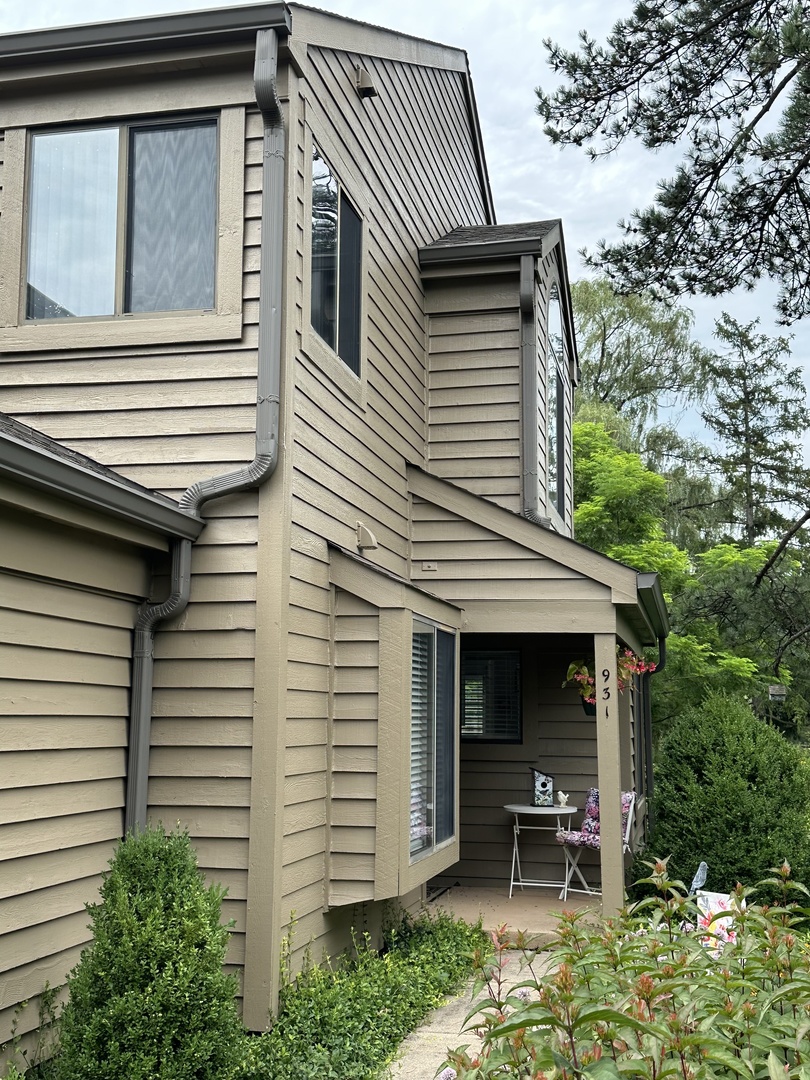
[588, 835]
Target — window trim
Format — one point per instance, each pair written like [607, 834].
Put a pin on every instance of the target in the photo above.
[314, 348]
[428, 627]
[556, 510]
[143, 328]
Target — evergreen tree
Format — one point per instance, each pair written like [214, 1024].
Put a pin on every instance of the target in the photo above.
[758, 411]
[731, 79]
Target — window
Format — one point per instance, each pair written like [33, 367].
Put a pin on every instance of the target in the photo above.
[122, 220]
[337, 234]
[490, 696]
[432, 808]
[555, 415]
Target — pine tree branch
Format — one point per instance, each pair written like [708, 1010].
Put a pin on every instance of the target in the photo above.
[783, 543]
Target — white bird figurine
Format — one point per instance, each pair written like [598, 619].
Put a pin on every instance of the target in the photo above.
[699, 880]
[562, 798]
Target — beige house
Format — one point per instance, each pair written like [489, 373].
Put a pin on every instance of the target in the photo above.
[326, 632]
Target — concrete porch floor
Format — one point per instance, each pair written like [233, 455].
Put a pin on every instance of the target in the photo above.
[533, 910]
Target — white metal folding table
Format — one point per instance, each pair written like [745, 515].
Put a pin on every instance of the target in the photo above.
[563, 815]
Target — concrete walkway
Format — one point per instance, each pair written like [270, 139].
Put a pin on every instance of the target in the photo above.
[535, 911]
[422, 1053]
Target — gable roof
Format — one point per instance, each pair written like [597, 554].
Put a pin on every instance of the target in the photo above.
[630, 590]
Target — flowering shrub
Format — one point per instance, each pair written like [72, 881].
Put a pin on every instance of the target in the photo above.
[642, 996]
[628, 665]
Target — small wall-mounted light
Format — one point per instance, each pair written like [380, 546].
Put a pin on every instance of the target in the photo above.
[365, 537]
[364, 83]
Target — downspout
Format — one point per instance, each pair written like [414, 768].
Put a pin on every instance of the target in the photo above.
[648, 749]
[529, 392]
[263, 465]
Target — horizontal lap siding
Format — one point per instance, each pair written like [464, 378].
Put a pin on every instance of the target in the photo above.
[64, 658]
[476, 564]
[474, 387]
[348, 449]
[355, 704]
[167, 417]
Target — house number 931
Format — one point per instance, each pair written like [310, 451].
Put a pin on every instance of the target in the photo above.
[606, 686]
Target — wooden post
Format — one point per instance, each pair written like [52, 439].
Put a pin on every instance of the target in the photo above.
[609, 766]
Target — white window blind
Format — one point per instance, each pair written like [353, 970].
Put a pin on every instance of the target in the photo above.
[433, 720]
[490, 696]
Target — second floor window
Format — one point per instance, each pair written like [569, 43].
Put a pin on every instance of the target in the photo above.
[337, 234]
[555, 414]
[122, 220]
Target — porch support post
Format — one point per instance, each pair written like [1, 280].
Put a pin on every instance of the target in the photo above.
[609, 765]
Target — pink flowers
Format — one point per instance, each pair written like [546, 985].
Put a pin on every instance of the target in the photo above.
[628, 665]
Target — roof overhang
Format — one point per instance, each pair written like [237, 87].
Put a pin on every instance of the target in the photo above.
[440, 254]
[219, 26]
[35, 466]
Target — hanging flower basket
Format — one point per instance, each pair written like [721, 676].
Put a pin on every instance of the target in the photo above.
[581, 675]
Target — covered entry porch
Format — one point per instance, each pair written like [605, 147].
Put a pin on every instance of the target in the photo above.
[536, 722]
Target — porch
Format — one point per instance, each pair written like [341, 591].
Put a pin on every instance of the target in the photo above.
[518, 680]
[534, 911]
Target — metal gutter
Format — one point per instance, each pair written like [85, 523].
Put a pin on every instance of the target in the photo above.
[268, 380]
[651, 597]
[219, 26]
[36, 467]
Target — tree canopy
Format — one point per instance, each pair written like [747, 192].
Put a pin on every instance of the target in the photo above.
[730, 79]
[635, 351]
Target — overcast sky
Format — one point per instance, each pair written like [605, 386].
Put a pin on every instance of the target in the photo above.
[530, 179]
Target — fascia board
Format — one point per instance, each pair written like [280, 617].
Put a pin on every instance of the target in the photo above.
[490, 250]
[36, 467]
[651, 596]
[616, 576]
[218, 26]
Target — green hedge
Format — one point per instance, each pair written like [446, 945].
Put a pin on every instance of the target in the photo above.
[345, 1022]
[149, 998]
[733, 791]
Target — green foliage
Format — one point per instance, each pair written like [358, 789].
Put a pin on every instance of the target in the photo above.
[730, 790]
[655, 993]
[731, 81]
[149, 999]
[633, 351]
[757, 409]
[344, 1021]
[617, 499]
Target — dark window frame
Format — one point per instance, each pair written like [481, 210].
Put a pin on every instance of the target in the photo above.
[555, 424]
[336, 273]
[433, 773]
[505, 682]
[122, 185]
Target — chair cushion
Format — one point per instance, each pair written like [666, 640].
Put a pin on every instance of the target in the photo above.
[579, 838]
